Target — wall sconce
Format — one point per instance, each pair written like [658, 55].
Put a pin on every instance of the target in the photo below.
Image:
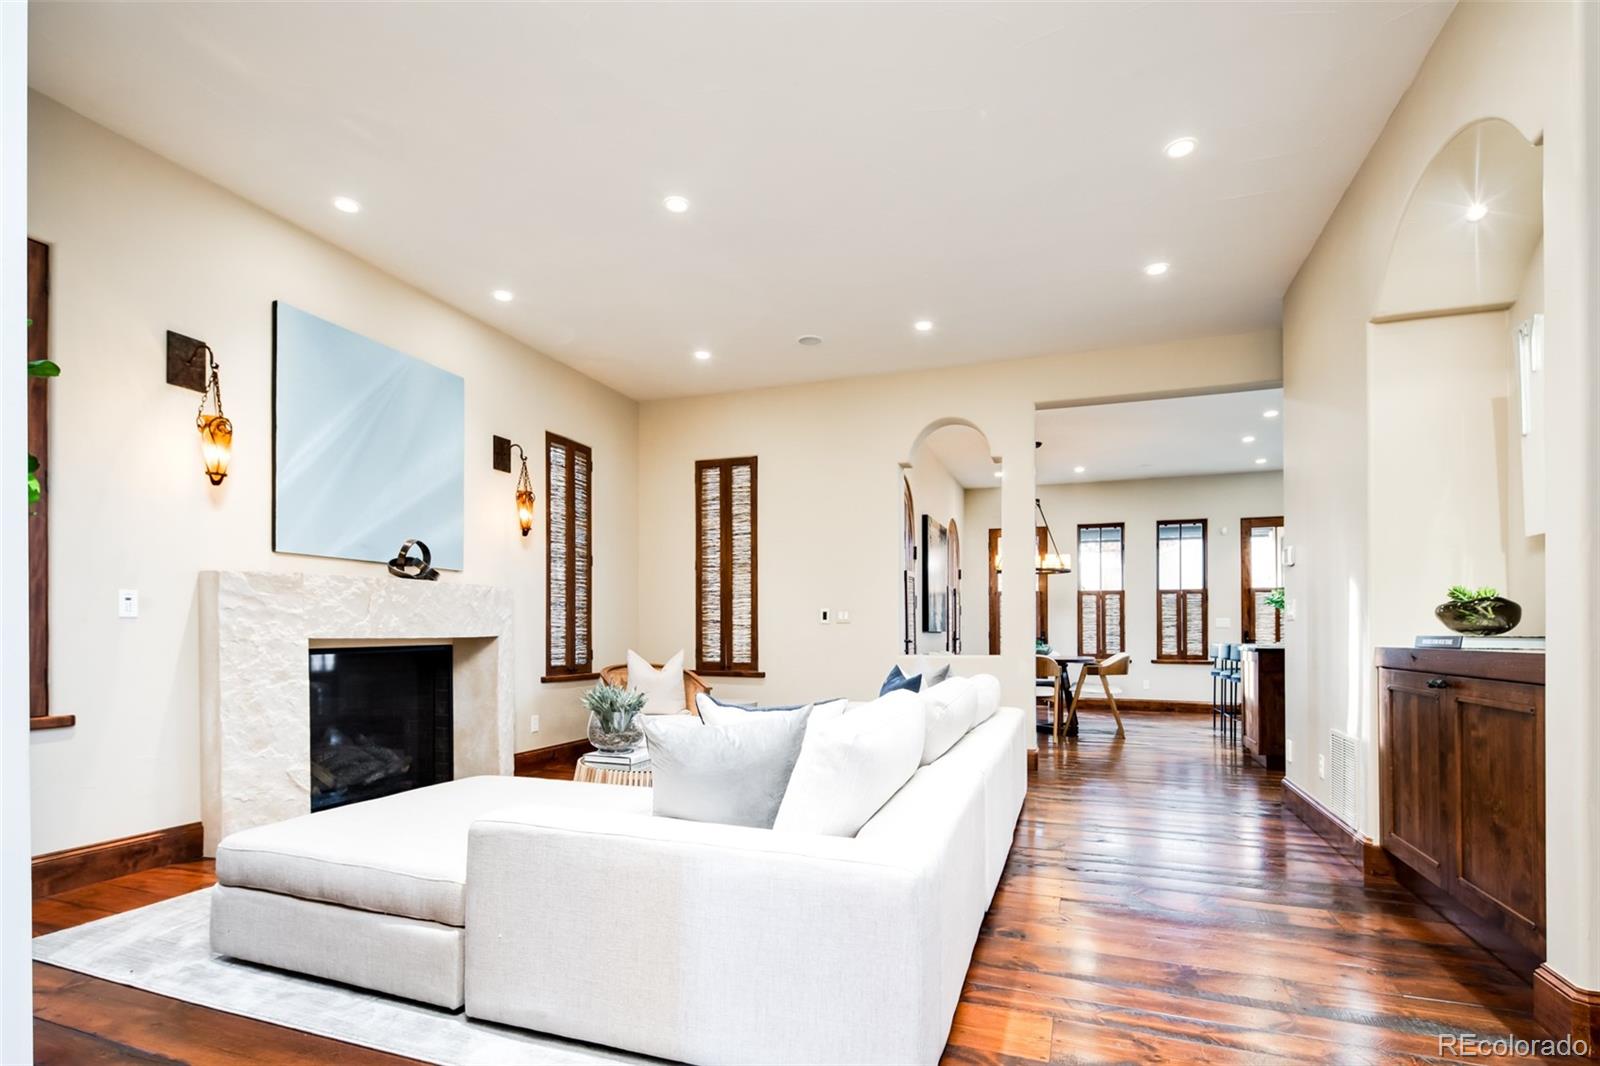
[216, 432]
[525, 497]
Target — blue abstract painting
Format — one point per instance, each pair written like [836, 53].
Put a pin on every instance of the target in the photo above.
[369, 446]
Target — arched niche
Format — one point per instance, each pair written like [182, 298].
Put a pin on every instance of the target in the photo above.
[950, 497]
[1473, 221]
[1455, 389]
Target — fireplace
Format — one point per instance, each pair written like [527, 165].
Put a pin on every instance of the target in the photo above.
[381, 721]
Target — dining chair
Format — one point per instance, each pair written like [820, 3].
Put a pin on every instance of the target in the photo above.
[1047, 675]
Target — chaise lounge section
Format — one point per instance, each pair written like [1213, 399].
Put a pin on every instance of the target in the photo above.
[570, 909]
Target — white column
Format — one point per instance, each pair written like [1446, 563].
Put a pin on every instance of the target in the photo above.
[1572, 567]
[16, 971]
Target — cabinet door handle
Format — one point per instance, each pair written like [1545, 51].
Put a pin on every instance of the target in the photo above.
[1438, 682]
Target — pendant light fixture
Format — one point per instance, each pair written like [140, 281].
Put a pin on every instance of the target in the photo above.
[1050, 560]
[216, 432]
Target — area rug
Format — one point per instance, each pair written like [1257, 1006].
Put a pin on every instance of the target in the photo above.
[166, 948]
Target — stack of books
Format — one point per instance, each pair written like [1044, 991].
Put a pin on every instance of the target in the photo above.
[1458, 640]
[633, 759]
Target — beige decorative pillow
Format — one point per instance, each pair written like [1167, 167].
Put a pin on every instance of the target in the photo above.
[663, 688]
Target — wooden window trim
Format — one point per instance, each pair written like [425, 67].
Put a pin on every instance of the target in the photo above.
[1102, 645]
[1041, 606]
[994, 592]
[725, 666]
[39, 716]
[1247, 588]
[908, 581]
[1203, 591]
[572, 671]
[952, 631]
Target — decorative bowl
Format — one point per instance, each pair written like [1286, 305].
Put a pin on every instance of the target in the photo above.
[625, 738]
[1480, 618]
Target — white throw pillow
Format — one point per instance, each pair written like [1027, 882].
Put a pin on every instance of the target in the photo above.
[987, 687]
[952, 709]
[851, 762]
[734, 773]
[663, 688]
[714, 713]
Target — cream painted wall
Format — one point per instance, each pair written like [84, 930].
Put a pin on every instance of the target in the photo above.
[1533, 65]
[1222, 500]
[831, 536]
[139, 246]
[1438, 394]
[935, 493]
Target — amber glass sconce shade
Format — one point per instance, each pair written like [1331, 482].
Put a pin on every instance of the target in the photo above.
[525, 495]
[216, 432]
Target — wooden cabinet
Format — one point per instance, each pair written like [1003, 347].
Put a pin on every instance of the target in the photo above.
[1261, 684]
[1461, 764]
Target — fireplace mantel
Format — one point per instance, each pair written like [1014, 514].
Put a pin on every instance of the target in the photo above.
[256, 628]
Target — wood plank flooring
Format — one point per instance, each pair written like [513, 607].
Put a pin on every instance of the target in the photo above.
[1159, 906]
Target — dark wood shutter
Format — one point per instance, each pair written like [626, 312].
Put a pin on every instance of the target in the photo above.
[725, 566]
[569, 485]
[1100, 606]
[1181, 606]
[1261, 621]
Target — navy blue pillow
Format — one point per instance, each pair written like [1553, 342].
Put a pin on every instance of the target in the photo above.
[898, 680]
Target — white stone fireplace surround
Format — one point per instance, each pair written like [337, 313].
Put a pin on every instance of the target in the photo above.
[256, 630]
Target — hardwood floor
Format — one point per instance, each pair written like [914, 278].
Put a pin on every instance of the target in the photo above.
[1158, 906]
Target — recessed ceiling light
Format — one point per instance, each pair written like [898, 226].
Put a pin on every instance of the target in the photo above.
[702, 355]
[676, 204]
[810, 340]
[1247, 439]
[922, 325]
[1271, 412]
[505, 296]
[346, 204]
[1475, 212]
[1155, 270]
[1077, 470]
[1261, 461]
[1179, 148]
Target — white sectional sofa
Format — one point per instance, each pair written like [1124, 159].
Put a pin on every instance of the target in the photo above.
[570, 909]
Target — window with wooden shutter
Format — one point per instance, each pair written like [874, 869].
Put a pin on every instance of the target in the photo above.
[568, 492]
[1100, 591]
[1260, 572]
[1181, 615]
[725, 567]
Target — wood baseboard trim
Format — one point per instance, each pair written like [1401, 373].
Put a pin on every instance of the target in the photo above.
[59, 871]
[1130, 706]
[555, 756]
[1330, 827]
[1565, 1010]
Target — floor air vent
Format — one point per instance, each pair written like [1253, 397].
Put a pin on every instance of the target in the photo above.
[1342, 775]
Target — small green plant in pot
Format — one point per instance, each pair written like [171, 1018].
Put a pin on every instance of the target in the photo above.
[1276, 600]
[614, 717]
[1480, 612]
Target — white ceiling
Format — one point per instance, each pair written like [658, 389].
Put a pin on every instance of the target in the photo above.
[852, 167]
[1180, 437]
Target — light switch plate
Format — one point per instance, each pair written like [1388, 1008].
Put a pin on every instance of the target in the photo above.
[1288, 750]
[841, 618]
[1224, 623]
[1322, 766]
[127, 603]
[533, 723]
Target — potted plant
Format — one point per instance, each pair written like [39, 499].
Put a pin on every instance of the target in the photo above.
[38, 368]
[613, 717]
[1276, 600]
[1480, 612]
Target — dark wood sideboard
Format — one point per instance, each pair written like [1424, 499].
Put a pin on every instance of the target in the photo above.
[1262, 697]
[1461, 789]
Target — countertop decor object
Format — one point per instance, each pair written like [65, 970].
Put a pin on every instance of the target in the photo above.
[1480, 612]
